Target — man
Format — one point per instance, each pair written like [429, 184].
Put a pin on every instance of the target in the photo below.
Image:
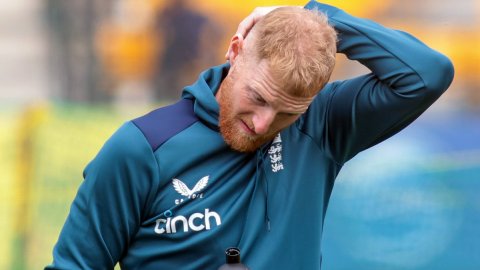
[248, 157]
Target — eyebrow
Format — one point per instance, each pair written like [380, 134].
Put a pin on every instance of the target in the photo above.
[251, 89]
[295, 111]
[255, 92]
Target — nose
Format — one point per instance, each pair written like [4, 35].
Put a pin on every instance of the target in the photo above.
[262, 121]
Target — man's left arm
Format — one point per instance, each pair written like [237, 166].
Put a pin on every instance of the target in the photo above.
[406, 78]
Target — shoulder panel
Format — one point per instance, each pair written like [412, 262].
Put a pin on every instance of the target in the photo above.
[161, 124]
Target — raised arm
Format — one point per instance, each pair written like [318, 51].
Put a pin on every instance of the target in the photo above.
[406, 78]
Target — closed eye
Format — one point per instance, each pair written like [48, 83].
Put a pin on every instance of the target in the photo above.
[286, 114]
[259, 100]
[256, 98]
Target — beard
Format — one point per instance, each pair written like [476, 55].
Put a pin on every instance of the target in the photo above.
[229, 123]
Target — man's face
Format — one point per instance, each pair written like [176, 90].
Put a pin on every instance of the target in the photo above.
[253, 106]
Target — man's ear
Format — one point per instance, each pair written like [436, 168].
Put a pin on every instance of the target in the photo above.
[236, 46]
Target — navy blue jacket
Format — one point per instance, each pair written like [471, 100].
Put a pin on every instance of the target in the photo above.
[166, 192]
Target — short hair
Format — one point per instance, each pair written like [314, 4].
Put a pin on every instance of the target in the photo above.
[300, 47]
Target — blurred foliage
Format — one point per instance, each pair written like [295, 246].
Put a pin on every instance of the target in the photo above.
[8, 194]
[42, 163]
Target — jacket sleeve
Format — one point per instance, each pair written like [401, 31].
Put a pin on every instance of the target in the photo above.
[109, 205]
[406, 77]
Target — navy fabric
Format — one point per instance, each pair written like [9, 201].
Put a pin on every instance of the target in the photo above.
[160, 125]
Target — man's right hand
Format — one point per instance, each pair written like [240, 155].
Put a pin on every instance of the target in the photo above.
[247, 24]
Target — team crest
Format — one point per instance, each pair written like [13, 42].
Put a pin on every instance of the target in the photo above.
[275, 153]
[185, 191]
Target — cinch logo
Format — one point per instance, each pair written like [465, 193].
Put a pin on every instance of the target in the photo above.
[195, 222]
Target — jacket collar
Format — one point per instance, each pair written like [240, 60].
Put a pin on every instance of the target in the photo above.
[203, 91]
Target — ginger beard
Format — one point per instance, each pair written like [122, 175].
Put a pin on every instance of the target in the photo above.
[229, 122]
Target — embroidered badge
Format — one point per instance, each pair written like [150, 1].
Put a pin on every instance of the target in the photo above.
[275, 153]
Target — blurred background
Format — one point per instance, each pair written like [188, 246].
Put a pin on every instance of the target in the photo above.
[71, 72]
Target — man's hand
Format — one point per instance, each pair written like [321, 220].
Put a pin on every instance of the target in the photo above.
[247, 24]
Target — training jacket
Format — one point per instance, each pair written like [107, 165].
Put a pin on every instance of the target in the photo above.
[166, 192]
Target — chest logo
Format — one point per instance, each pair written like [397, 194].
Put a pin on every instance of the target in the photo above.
[275, 153]
[193, 193]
